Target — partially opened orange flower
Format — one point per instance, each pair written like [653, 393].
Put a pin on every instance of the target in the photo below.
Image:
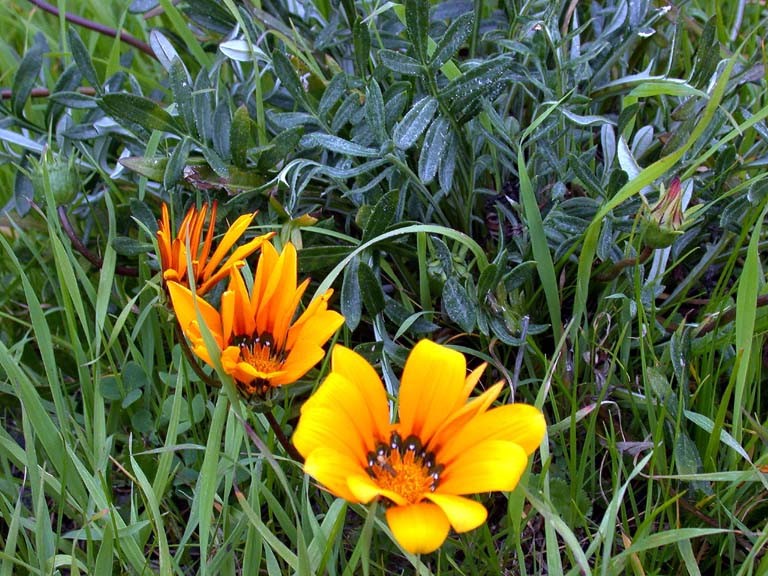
[207, 268]
[443, 446]
[260, 343]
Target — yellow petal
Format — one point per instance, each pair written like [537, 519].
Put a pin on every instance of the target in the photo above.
[242, 252]
[356, 369]
[353, 416]
[332, 469]
[495, 465]
[432, 387]
[321, 429]
[418, 528]
[519, 423]
[454, 426]
[184, 306]
[463, 514]
[365, 490]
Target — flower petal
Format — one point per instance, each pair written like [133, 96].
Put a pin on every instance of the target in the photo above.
[486, 467]
[184, 306]
[233, 234]
[519, 423]
[365, 490]
[332, 469]
[432, 387]
[357, 370]
[463, 514]
[349, 414]
[419, 528]
[298, 362]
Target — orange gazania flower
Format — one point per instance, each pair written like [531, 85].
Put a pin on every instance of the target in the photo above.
[261, 345]
[443, 447]
[207, 269]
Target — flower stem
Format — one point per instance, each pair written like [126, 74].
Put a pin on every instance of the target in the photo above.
[289, 448]
[96, 27]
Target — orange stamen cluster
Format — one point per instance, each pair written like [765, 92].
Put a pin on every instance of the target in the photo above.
[404, 467]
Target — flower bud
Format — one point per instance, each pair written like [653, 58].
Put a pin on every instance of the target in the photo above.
[663, 221]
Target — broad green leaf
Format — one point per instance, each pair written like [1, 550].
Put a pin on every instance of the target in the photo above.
[400, 63]
[174, 170]
[140, 111]
[181, 86]
[433, 151]
[458, 304]
[456, 34]
[485, 81]
[202, 101]
[336, 144]
[287, 74]
[333, 93]
[374, 110]
[82, 58]
[240, 137]
[382, 216]
[26, 76]
[151, 168]
[370, 288]
[413, 124]
[351, 298]
[417, 26]
[361, 39]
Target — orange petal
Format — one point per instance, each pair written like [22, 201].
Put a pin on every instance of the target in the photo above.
[432, 387]
[232, 235]
[278, 295]
[316, 306]
[418, 528]
[519, 423]
[184, 306]
[227, 314]
[196, 230]
[282, 320]
[463, 514]
[332, 469]
[244, 323]
[265, 269]
[300, 360]
[202, 255]
[486, 467]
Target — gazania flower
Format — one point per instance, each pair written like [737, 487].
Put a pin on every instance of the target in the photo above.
[207, 269]
[261, 345]
[443, 447]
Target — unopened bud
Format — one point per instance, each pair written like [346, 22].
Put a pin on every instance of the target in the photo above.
[664, 220]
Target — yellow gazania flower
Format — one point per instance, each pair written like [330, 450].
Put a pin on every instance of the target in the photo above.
[443, 447]
[260, 344]
[207, 271]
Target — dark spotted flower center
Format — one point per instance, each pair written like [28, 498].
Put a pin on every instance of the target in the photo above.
[404, 467]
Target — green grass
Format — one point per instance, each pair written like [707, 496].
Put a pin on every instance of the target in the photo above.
[517, 235]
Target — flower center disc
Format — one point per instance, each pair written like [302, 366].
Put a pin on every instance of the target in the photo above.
[404, 468]
[261, 358]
